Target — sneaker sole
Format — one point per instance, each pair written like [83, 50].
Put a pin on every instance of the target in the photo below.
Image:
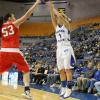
[28, 98]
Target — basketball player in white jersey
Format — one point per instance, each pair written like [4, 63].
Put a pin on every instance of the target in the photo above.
[65, 54]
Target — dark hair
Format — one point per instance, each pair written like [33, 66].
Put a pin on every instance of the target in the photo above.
[1, 21]
[7, 16]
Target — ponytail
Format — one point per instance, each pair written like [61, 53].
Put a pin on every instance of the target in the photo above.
[1, 21]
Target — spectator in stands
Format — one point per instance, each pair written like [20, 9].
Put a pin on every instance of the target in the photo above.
[97, 86]
[52, 77]
[77, 71]
[90, 82]
[86, 74]
[33, 70]
[97, 77]
[40, 73]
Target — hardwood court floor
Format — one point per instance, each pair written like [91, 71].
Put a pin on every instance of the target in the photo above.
[8, 93]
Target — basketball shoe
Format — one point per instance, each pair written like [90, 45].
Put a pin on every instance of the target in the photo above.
[27, 95]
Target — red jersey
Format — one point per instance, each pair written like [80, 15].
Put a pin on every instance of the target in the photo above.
[9, 35]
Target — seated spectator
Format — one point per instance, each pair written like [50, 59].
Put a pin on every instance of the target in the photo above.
[97, 86]
[86, 74]
[97, 77]
[33, 71]
[77, 71]
[39, 73]
[90, 82]
[52, 77]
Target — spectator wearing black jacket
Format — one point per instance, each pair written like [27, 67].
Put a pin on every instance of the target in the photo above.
[39, 73]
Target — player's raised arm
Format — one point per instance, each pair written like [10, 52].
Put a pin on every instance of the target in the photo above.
[63, 18]
[66, 17]
[21, 20]
[66, 20]
[53, 16]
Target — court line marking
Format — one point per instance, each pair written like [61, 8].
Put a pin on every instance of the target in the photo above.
[35, 94]
[8, 97]
[14, 97]
[69, 98]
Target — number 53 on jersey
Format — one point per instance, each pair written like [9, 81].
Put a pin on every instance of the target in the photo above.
[7, 31]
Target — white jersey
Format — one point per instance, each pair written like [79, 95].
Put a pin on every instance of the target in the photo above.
[62, 36]
[65, 54]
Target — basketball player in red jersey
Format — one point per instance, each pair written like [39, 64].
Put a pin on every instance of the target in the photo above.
[10, 53]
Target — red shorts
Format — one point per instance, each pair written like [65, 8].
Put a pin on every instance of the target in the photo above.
[7, 59]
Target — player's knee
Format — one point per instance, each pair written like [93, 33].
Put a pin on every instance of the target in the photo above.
[62, 71]
[62, 74]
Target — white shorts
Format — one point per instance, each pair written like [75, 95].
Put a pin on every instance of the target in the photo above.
[65, 58]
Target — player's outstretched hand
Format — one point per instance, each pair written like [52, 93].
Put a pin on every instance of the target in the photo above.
[57, 13]
[38, 1]
[49, 4]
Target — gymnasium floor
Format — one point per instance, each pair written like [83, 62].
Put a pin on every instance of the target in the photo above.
[40, 93]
